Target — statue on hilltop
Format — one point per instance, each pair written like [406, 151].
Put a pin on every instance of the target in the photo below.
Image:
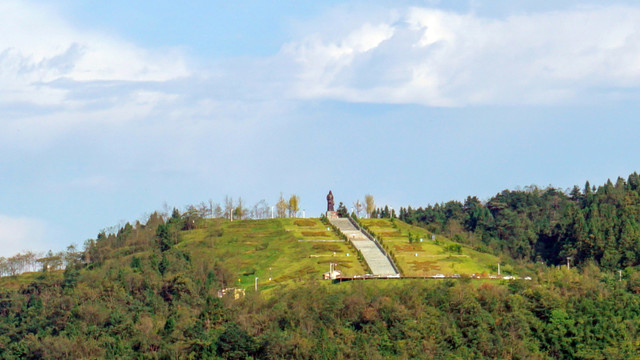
[330, 202]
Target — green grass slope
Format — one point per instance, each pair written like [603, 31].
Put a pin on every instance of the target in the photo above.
[274, 250]
[428, 257]
[285, 251]
[24, 279]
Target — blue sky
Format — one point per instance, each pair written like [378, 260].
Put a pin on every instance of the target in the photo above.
[111, 110]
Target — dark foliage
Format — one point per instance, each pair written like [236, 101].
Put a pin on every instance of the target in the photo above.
[590, 224]
[342, 210]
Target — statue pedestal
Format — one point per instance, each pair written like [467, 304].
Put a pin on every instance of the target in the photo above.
[332, 214]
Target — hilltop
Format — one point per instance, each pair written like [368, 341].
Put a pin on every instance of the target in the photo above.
[285, 250]
[273, 250]
[277, 251]
[280, 251]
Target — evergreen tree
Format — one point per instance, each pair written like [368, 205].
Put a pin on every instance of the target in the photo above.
[342, 210]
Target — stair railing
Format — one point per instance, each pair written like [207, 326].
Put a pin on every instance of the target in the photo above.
[375, 241]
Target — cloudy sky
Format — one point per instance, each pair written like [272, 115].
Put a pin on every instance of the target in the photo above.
[110, 110]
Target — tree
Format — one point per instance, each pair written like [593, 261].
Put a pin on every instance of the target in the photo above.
[342, 210]
[211, 207]
[48, 262]
[190, 218]
[240, 212]
[235, 343]
[228, 207]
[4, 266]
[175, 215]
[217, 211]
[260, 210]
[294, 201]
[281, 207]
[13, 265]
[204, 210]
[370, 205]
[163, 237]
[358, 206]
[72, 256]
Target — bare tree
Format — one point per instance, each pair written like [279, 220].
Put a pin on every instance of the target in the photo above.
[30, 261]
[217, 211]
[294, 206]
[369, 204]
[164, 213]
[18, 263]
[204, 210]
[211, 203]
[359, 207]
[13, 265]
[254, 213]
[260, 210]
[228, 207]
[4, 266]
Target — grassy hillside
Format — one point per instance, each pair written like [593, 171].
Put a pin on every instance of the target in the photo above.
[428, 257]
[282, 250]
[279, 251]
[150, 292]
[15, 282]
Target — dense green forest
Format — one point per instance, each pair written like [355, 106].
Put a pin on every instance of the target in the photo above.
[550, 225]
[138, 293]
[164, 306]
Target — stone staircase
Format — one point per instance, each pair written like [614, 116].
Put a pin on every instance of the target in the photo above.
[376, 259]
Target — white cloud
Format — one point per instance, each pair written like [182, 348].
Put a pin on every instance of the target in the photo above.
[38, 48]
[56, 79]
[21, 233]
[442, 58]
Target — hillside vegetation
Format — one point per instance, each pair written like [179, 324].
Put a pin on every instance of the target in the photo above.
[278, 249]
[584, 224]
[282, 250]
[150, 290]
[139, 308]
[414, 251]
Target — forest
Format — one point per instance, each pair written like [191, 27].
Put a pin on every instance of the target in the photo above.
[136, 293]
[585, 224]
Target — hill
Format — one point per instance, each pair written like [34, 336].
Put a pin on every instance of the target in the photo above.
[278, 251]
[150, 291]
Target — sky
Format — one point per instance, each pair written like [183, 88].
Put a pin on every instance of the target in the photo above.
[112, 110]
